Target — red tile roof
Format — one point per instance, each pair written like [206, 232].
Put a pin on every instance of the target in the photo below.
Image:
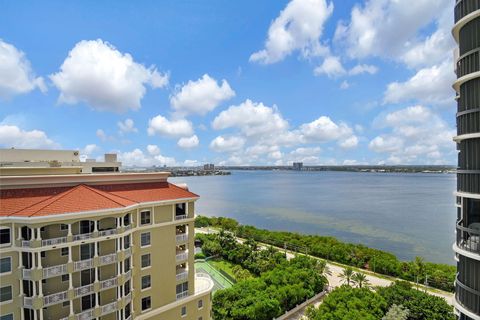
[58, 200]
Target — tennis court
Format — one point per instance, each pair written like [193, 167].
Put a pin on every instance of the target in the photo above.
[219, 280]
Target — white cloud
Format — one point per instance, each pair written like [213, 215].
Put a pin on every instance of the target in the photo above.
[127, 126]
[298, 27]
[12, 136]
[137, 158]
[349, 143]
[344, 85]
[96, 73]
[324, 129]
[89, 149]
[428, 85]
[363, 68]
[306, 151]
[16, 75]
[417, 135]
[227, 144]
[331, 66]
[191, 163]
[387, 28]
[153, 149]
[101, 135]
[251, 118]
[201, 96]
[172, 128]
[188, 142]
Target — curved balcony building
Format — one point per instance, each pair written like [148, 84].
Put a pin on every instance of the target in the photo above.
[466, 32]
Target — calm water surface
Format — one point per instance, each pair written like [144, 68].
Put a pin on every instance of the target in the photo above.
[406, 214]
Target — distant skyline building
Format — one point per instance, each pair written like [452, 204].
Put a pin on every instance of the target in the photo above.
[466, 32]
[298, 166]
[209, 167]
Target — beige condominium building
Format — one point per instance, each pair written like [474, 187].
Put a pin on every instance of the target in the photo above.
[99, 246]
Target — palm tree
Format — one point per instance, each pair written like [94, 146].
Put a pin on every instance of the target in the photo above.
[360, 279]
[347, 274]
[418, 267]
[322, 268]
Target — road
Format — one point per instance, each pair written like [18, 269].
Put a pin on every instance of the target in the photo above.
[335, 280]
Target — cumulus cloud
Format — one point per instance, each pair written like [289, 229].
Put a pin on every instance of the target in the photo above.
[101, 135]
[16, 75]
[331, 66]
[227, 144]
[188, 142]
[127, 126]
[89, 149]
[153, 150]
[298, 28]
[324, 129]
[349, 143]
[417, 135]
[344, 85]
[363, 68]
[171, 128]
[201, 96]
[12, 136]
[96, 73]
[428, 85]
[137, 158]
[387, 28]
[251, 118]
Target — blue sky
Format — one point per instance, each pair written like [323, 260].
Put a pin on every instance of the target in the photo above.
[240, 83]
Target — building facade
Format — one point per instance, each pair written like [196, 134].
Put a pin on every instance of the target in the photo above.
[99, 246]
[41, 162]
[466, 32]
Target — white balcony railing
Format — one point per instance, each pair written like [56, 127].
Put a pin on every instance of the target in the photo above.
[54, 241]
[182, 295]
[54, 271]
[183, 275]
[83, 264]
[108, 308]
[109, 283]
[181, 237]
[128, 298]
[108, 259]
[128, 275]
[83, 236]
[55, 298]
[108, 232]
[128, 252]
[128, 227]
[86, 315]
[181, 256]
[83, 290]
[203, 282]
[26, 243]
[27, 274]
[28, 302]
[181, 217]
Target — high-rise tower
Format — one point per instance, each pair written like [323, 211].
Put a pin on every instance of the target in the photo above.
[466, 32]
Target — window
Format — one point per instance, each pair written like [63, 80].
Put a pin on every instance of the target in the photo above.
[200, 304]
[126, 288]
[126, 242]
[66, 304]
[5, 236]
[200, 318]
[5, 294]
[87, 251]
[182, 287]
[146, 260]
[5, 264]
[146, 282]
[145, 217]
[183, 312]
[63, 227]
[146, 303]
[145, 239]
[42, 254]
[7, 317]
[65, 277]
[64, 251]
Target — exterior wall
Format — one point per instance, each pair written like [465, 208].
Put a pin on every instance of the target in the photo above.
[467, 245]
[32, 155]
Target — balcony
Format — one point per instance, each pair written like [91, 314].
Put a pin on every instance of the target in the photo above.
[83, 264]
[55, 298]
[181, 217]
[203, 283]
[27, 274]
[182, 295]
[107, 259]
[28, 302]
[128, 298]
[181, 238]
[54, 241]
[108, 308]
[181, 256]
[55, 271]
[86, 315]
[182, 275]
[468, 297]
[105, 233]
[84, 290]
[109, 283]
[468, 239]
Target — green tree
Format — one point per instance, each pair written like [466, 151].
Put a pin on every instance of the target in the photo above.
[346, 275]
[396, 313]
[360, 279]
